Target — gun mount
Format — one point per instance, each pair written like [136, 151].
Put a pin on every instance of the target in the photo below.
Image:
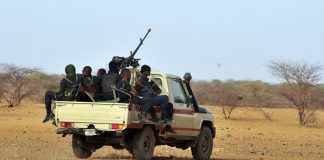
[130, 60]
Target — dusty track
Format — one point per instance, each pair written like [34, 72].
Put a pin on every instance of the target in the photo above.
[247, 136]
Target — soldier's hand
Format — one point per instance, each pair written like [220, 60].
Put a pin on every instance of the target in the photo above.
[144, 90]
[133, 93]
[139, 83]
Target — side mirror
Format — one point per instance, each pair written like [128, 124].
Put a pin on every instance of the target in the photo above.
[189, 100]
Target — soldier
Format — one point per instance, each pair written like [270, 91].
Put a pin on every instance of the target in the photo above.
[99, 93]
[109, 79]
[124, 85]
[89, 85]
[144, 88]
[68, 89]
[101, 72]
[146, 102]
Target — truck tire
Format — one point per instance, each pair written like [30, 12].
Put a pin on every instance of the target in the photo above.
[79, 151]
[204, 146]
[143, 144]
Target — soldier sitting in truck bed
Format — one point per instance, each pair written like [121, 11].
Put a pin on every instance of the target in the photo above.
[144, 88]
[109, 79]
[124, 85]
[68, 91]
[89, 85]
[99, 93]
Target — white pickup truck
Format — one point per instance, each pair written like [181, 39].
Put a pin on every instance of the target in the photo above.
[95, 124]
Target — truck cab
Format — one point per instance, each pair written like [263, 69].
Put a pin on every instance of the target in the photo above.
[95, 124]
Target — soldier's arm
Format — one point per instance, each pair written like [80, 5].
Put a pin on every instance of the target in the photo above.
[124, 88]
[63, 85]
[139, 84]
[85, 83]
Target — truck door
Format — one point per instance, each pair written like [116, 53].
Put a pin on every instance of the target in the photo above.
[183, 113]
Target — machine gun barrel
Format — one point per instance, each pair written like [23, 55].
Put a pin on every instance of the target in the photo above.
[141, 43]
[130, 61]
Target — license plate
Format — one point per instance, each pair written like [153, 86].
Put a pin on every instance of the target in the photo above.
[90, 132]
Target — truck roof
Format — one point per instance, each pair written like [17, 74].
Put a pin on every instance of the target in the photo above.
[162, 74]
[166, 75]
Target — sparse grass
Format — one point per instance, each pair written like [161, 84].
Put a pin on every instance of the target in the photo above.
[248, 135]
[251, 136]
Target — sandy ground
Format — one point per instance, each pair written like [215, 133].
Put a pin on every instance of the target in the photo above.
[247, 136]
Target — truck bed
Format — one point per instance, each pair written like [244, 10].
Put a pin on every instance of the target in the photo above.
[102, 116]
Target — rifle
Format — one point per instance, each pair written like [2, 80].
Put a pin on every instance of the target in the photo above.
[130, 60]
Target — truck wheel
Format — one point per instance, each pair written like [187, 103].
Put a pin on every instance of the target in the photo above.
[204, 146]
[143, 144]
[79, 151]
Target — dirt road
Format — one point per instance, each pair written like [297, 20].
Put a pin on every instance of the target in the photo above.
[247, 136]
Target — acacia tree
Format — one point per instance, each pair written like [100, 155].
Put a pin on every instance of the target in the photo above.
[13, 79]
[229, 97]
[257, 95]
[300, 78]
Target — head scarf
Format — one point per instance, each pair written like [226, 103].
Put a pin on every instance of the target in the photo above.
[113, 67]
[145, 68]
[70, 70]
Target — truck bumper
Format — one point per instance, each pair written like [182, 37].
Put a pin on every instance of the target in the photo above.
[81, 131]
[66, 131]
[106, 138]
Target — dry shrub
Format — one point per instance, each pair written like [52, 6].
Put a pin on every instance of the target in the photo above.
[267, 115]
[311, 119]
[23, 83]
[13, 87]
[40, 82]
[227, 111]
[301, 77]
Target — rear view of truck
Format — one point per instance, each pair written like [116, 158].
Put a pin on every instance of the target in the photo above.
[92, 124]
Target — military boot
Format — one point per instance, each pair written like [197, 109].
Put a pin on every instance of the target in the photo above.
[155, 118]
[143, 117]
[168, 118]
[169, 129]
[49, 117]
[164, 117]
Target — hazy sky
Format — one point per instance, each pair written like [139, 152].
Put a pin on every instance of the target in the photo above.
[211, 39]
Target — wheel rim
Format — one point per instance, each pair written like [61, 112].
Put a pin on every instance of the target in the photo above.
[146, 144]
[204, 144]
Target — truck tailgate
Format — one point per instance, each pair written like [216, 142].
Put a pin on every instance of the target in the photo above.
[83, 114]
